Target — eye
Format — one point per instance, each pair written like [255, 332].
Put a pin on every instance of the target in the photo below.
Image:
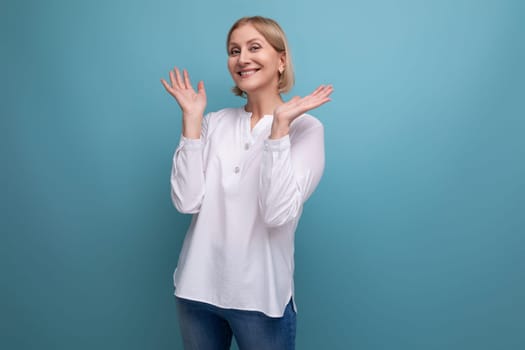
[254, 48]
[234, 51]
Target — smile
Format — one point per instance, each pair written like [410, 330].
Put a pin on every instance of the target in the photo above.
[247, 73]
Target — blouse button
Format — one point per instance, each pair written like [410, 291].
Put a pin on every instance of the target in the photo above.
[236, 170]
[246, 146]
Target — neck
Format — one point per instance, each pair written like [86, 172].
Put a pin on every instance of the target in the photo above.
[261, 105]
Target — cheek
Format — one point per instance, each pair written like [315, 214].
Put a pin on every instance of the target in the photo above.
[272, 61]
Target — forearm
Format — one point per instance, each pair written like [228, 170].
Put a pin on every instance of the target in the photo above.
[187, 176]
[290, 171]
[280, 197]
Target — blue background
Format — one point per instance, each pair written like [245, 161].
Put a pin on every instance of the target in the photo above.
[413, 240]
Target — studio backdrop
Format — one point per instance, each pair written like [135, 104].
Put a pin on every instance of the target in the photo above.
[413, 240]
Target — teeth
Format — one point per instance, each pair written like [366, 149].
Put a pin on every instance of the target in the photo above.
[246, 73]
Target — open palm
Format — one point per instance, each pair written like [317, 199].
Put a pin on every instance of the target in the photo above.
[191, 103]
[297, 106]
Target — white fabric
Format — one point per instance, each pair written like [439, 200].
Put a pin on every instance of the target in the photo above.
[246, 193]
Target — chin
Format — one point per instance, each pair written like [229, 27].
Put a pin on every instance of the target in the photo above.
[253, 88]
[246, 88]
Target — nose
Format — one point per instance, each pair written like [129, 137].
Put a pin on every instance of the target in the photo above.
[244, 57]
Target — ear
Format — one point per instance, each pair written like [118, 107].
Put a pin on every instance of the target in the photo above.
[282, 62]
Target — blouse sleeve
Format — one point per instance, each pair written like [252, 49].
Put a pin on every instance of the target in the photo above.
[291, 168]
[187, 173]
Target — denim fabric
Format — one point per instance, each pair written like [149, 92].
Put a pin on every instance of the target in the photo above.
[207, 327]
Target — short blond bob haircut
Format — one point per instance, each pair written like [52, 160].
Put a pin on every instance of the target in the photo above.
[273, 33]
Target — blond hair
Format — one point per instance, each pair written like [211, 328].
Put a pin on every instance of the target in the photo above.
[273, 33]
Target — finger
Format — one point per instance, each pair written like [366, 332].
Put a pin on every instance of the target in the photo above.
[294, 102]
[166, 85]
[200, 88]
[180, 83]
[323, 89]
[295, 99]
[319, 102]
[172, 79]
[316, 100]
[326, 91]
[322, 93]
[318, 90]
[187, 81]
[329, 88]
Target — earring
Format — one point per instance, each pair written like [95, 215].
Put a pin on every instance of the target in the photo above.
[281, 70]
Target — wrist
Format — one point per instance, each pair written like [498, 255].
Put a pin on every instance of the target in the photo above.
[191, 129]
[279, 129]
[191, 117]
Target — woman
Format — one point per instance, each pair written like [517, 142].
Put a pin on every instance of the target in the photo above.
[244, 173]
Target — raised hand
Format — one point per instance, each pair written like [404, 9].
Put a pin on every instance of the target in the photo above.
[191, 103]
[289, 111]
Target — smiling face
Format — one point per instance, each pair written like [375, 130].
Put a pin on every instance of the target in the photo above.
[253, 63]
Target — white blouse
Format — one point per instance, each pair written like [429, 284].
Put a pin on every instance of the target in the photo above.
[246, 194]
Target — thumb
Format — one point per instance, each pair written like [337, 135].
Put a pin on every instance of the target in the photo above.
[200, 88]
[295, 99]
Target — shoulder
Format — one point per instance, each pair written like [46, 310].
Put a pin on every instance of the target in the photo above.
[304, 124]
[223, 113]
[221, 117]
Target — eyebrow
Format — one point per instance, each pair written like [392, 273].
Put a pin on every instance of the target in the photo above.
[248, 42]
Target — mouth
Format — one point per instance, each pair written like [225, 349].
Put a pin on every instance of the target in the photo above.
[247, 72]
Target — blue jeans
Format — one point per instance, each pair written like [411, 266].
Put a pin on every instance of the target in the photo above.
[207, 327]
